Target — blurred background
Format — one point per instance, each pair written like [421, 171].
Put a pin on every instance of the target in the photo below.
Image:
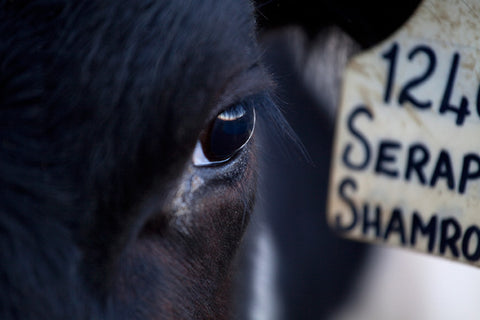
[296, 268]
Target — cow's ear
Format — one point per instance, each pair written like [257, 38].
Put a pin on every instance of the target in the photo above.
[360, 19]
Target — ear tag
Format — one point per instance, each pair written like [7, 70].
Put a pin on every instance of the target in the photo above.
[406, 161]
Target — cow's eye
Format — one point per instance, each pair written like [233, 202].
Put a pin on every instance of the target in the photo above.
[225, 136]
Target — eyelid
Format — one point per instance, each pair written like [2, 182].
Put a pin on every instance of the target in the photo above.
[253, 82]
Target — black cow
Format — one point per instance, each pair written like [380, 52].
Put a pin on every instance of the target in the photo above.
[126, 159]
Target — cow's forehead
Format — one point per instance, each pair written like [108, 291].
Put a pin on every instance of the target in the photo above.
[178, 58]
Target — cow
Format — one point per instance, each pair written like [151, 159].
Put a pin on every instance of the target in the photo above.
[128, 137]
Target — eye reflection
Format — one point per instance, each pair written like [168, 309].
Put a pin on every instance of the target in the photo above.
[226, 135]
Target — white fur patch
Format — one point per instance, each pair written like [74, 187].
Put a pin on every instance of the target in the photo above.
[263, 304]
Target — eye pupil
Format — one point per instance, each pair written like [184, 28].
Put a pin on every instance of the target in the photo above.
[227, 134]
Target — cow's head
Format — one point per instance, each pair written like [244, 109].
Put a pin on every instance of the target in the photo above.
[126, 156]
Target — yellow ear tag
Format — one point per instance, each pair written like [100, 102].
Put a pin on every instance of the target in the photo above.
[406, 161]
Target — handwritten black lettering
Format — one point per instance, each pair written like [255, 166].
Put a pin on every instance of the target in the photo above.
[405, 94]
[346, 159]
[467, 172]
[374, 223]
[391, 57]
[396, 225]
[346, 183]
[466, 242]
[447, 239]
[386, 156]
[444, 234]
[443, 169]
[418, 157]
[462, 110]
[429, 229]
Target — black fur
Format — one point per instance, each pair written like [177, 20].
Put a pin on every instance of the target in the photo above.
[101, 103]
